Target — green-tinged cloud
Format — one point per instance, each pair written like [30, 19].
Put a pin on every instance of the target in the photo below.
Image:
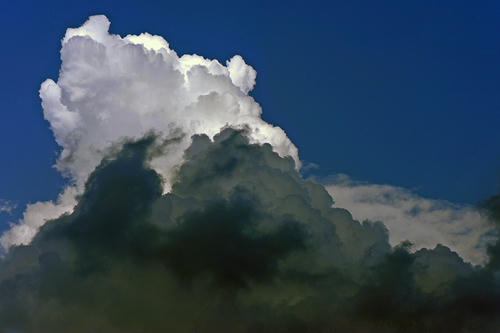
[241, 244]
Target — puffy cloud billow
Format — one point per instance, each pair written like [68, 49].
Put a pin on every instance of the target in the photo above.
[186, 213]
[111, 87]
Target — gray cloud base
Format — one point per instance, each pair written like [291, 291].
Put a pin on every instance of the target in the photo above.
[241, 244]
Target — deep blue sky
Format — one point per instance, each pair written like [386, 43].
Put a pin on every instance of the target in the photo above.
[397, 92]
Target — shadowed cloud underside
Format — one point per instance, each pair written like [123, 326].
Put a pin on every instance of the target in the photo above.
[241, 244]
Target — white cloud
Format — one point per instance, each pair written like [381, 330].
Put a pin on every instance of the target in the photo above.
[112, 87]
[35, 216]
[425, 222]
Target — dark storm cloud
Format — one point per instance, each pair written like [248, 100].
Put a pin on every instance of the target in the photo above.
[492, 208]
[241, 244]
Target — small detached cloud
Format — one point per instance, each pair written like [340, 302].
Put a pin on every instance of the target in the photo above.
[7, 206]
[408, 216]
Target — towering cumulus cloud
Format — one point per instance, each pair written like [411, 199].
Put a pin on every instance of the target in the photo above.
[186, 213]
[110, 88]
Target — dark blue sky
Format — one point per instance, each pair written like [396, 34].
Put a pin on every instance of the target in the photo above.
[396, 92]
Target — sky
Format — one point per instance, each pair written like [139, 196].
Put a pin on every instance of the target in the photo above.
[166, 132]
[393, 93]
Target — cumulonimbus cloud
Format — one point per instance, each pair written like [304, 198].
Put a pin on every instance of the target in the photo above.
[112, 87]
[408, 216]
[186, 212]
